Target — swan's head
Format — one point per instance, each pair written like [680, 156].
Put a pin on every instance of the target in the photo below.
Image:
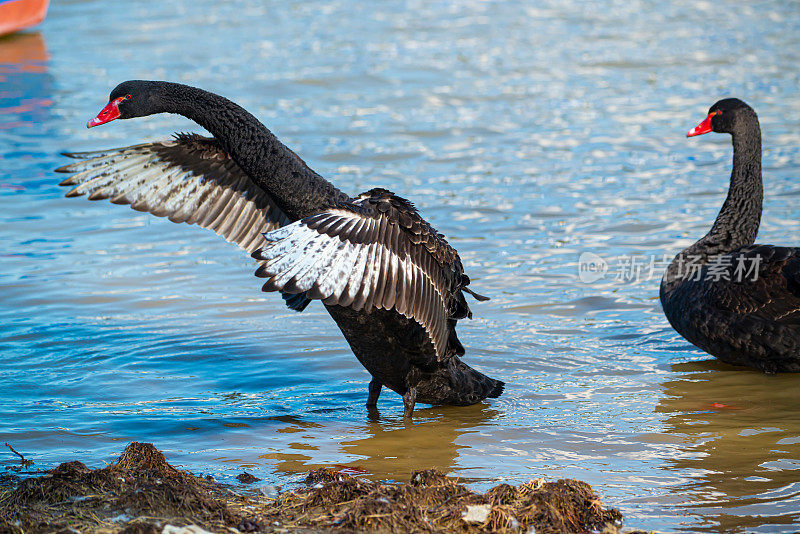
[134, 98]
[724, 117]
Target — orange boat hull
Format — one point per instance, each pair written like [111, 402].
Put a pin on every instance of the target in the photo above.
[17, 15]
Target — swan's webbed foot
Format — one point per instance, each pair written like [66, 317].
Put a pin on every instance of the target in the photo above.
[409, 399]
[374, 393]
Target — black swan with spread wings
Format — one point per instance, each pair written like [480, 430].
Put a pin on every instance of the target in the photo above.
[392, 283]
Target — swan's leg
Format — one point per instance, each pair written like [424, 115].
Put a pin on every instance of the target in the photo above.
[374, 392]
[409, 399]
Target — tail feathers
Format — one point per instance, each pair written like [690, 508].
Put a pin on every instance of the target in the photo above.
[497, 389]
[486, 387]
[471, 386]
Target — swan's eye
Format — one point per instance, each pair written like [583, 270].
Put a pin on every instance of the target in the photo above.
[128, 97]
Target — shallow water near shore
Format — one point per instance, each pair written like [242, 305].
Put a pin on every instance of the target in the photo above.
[527, 135]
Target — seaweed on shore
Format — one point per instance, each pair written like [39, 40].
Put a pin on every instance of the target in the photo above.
[142, 493]
[140, 485]
[432, 502]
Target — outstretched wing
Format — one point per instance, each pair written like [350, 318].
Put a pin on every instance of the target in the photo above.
[188, 179]
[373, 252]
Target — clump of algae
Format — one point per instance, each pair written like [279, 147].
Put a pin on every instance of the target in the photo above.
[142, 493]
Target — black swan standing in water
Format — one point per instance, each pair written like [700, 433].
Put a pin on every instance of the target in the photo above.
[389, 280]
[735, 300]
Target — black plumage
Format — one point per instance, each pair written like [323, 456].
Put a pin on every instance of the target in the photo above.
[736, 300]
[389, 280]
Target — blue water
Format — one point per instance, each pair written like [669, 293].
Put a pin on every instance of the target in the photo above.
[528, 134]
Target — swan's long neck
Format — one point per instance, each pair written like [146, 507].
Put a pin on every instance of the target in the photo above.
[738, 220]
[296, 189]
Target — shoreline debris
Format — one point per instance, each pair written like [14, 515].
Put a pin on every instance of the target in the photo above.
[143, 494]
[247, 478]
[25, 462]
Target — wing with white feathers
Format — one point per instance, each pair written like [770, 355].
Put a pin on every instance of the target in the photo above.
[189, 179]
[374, 252]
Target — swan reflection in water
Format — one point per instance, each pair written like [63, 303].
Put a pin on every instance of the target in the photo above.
[739, 431]
[382, 448]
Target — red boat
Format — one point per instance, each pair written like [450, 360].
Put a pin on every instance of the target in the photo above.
[17, 15]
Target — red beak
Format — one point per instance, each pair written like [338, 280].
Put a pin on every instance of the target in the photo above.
[702, 128]
[107, 114]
